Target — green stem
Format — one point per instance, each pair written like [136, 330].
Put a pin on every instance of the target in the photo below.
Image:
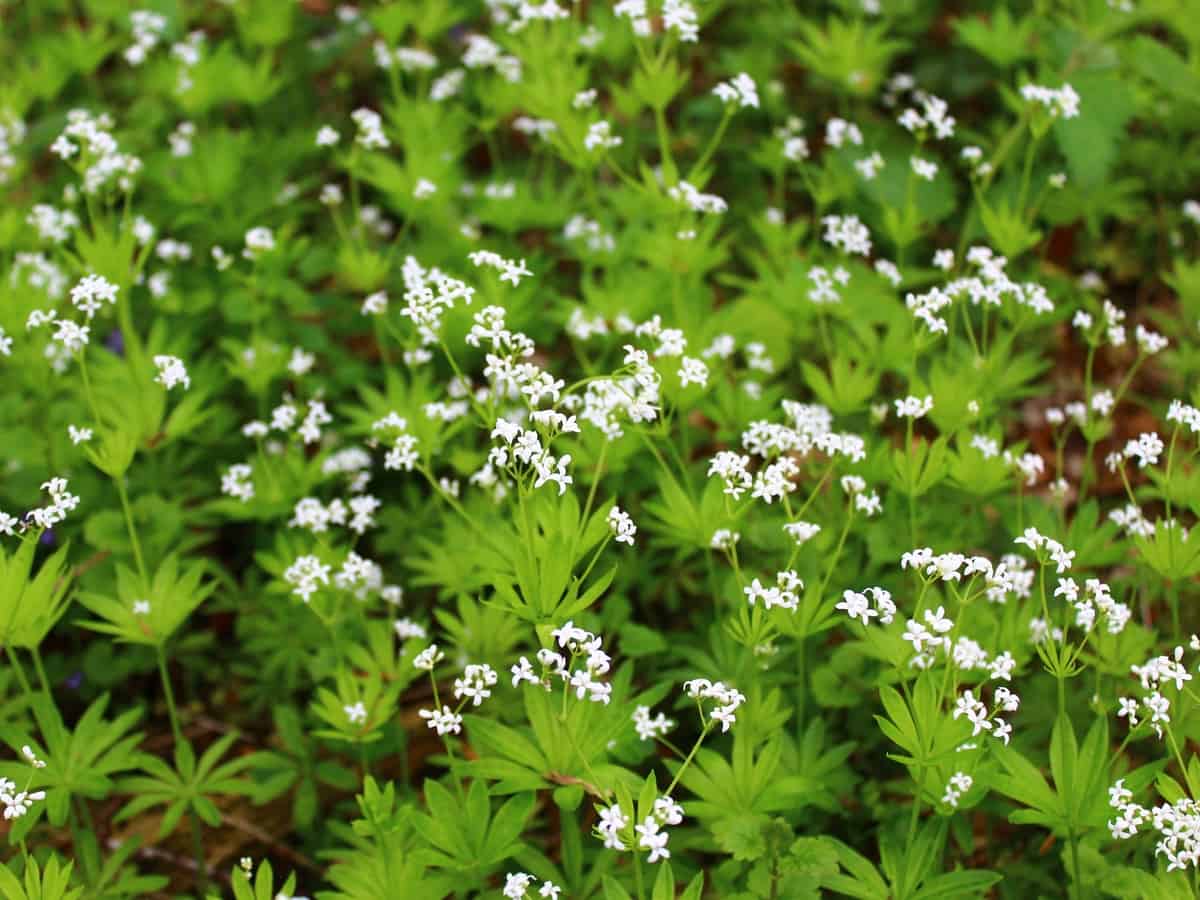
[169, 694]
[637, 876]
[683, 766]
[712, 144]
[41, 672]
[198, 850]
[1073, 840]
[133, 537]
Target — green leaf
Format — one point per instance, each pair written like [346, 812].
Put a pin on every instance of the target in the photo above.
[1091, 141]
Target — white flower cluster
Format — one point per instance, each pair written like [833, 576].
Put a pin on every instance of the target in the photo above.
[525, 447]
[982, 718]
[596, 239]
[802, 532]
[823, 291]
[609, 401]
[677, 15]
[475, 684]
[12, 132]
[238, 482]
[621, 525]
[516, 884]
[782, 594]
[690, 196]
[959, 784]
[370, 129]
[1145, 448]
[600, 137]
[1177, 824]
[306, 575]
[1059, 102]
[856, 605]
[1131, 519]
[649, 728]
[1046, 549]
[932, 115]
[1096, 600]
[810, 429]
[739, 90]
[914, 407]
[484, 53]
[62, 501]
[34, 270]
[724, 539]
[727, 700]
[52, 224]
[258, 241]
[407, 59]
[1153, 676]
[403, 453]
[848, 234]
[991, 287]
[148, 28]
[613, 828]
[585, 648]
[313, 515]
[838, 132]
[102, 161]
[510, 270]
[18, 803]
[443, 720]
[171, 372]
[428, 294]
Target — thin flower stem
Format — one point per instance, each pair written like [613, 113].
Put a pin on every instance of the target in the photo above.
[41, 671]
[169, 694]
[683, 766]
[198, 850]
[713, 142]
[133, 537]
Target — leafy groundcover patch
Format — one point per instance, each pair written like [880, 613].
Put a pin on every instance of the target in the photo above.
[631, 450]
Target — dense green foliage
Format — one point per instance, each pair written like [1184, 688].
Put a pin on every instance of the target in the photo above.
[633, 449]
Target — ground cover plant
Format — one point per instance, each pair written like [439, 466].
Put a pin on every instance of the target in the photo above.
[644, 449]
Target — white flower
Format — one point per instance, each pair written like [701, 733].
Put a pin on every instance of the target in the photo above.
[693, 371]
[515, 885]
[649, 728]
[600, 137]
[740, 90]
[856, 605]
[370, 129]
[475, 683]
[356, 713]
[802, 532]
[79, 435]
[914, 407]
[327, 136]
[612, 823]
[924, 168]
[444, 721]
[306, 574]
[1062, 102]
[652, 838]
[428, 658]
[621, 526]
[171, 372]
